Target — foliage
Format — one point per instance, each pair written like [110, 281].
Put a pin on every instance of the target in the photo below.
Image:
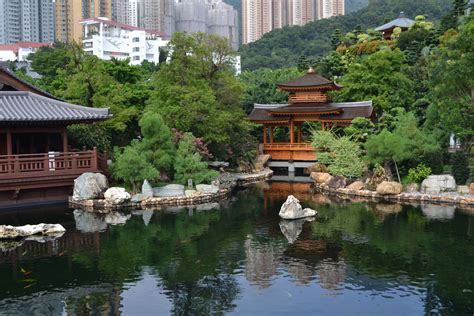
[340, 154]
[283, 47]
[460, 167]
[132, 167]
[189, 165]
[89, 136]
[419, 173]
[47, 60]
[197, 92]
[359, 129]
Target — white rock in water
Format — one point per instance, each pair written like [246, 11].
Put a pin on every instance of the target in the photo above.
[89, 186]
[207, 188]
[7, 231]
[116, 196]
[147, 189]
[436, 184]
[292, 209]
[116, 218]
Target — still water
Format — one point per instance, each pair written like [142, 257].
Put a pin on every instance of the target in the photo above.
[237, 257]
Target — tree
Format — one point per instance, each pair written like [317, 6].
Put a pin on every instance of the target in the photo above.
[336, 38]
[451, 19]
[189, 165]
[132, 167]
[47, 60]
[460, 167]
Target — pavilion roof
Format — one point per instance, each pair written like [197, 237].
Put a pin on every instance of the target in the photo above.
[28, 107]
[345, 111]
[401, 21]
[309, 80]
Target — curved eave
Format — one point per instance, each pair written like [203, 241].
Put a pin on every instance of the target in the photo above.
[310, 88]
[307, 113]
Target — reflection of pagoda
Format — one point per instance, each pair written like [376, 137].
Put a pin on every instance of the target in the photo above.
[308, 101]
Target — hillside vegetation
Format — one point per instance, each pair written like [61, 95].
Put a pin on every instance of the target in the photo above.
[283, 47]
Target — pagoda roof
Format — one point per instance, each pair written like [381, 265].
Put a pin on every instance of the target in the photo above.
[345, 111]
[309, 80]
[402, 21]
[28, 107]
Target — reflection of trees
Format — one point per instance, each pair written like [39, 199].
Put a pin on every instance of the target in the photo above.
[406, 243]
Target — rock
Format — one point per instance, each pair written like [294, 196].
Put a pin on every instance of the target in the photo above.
[337, 182]
[116, 218]
[463, 189]
[169, 190]
[89, 186]
[207, 188]
[379, 175]
[147, 189]
[412, 188]
[190, 192]
[218, 164]
[436, 184]
[292, 209]
[262, 161]
[88, 222]
[7, 231]
[317, 167]
[321, 177]
[356, 186]
[226, 181]
[389, 188]
[388, 208]
[471, 188]
[137, 198]
[116, 196]
[438, 212]
[292, 229]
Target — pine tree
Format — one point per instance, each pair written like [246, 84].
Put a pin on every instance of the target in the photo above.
[336, 38]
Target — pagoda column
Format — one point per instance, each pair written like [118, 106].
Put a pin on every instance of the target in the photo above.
[64, 135]
[299, 132]
[264, 134]
[9, 142]
[292, 131]
[271, 134]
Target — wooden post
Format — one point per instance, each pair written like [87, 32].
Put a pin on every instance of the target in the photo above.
[9, 142]
[271, 134]
[65, 149]
[323, 126]
[94, 159]
[264, 134]
[299, 133]
[292, 132]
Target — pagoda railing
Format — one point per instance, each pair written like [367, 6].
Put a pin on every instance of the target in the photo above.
[288, 151]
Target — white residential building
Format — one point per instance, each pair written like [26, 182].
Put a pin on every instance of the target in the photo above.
[19, 51]
[107, 39]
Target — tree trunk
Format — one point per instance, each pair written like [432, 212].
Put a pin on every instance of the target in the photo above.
[387, 167]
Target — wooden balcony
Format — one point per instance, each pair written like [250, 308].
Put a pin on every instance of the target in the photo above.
[287, 151]
[54, 169]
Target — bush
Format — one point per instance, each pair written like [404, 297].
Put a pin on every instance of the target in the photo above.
[419, 173]
[189, 165]
[460, 167]
[341, 155]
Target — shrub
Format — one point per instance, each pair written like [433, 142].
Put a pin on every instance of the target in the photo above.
[419, 173]
[460, 167]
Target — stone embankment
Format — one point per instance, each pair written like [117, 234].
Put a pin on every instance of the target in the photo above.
[435, 190]
[171, 195]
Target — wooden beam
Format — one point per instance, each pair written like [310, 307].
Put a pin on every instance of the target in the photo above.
[9, 142]
[65, 143]
[292, 132]
[299, 133]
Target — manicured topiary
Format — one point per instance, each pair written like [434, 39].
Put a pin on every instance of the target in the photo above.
[460, 167]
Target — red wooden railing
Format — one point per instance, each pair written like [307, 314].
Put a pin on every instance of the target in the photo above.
[287, 151]
[54, 163]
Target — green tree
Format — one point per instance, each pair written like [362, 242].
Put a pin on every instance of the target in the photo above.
[132, 167]
[47, 60]
[189, 164]
[460, 167]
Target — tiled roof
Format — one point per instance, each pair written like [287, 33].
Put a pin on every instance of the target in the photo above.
[401, 21]
[310, 79]
[22, 107]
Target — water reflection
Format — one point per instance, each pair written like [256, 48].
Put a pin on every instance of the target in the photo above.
[238, 256]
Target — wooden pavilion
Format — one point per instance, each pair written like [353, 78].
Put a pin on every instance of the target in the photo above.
[308, 101]
[36, 162]
[402, 22]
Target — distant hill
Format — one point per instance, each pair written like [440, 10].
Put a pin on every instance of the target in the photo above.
[354, 5]
[282, 47]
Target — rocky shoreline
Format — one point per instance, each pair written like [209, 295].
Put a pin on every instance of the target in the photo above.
[447, 198]
[227, 183]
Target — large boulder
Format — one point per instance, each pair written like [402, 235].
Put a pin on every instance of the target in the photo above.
[389, 188]
[262, 161]
[356, 186]
[147, 189]
[170, 190]
[378, 176]
[226, 181]
[116, 196]
[7, 231]
[89, 186]
[337, 182]
[292, 209]
[207, 188]
[316, 167]
[412, 188]
[321, 177]
[436, 184]
[471, 188]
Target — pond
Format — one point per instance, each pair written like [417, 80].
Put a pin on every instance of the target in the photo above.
[236, 258]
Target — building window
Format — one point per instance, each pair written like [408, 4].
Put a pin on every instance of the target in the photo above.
[136, 57]
[136, 39]
[136, 49]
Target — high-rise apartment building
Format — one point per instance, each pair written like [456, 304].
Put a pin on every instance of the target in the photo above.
[69, 14]
[257, 19]
[157, 15]
[26, 20]
[126, 11]
[329, 8]
[300, 12]
[280, 17]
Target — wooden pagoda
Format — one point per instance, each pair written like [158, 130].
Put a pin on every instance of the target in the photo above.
[308, 101]
[36, 162]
